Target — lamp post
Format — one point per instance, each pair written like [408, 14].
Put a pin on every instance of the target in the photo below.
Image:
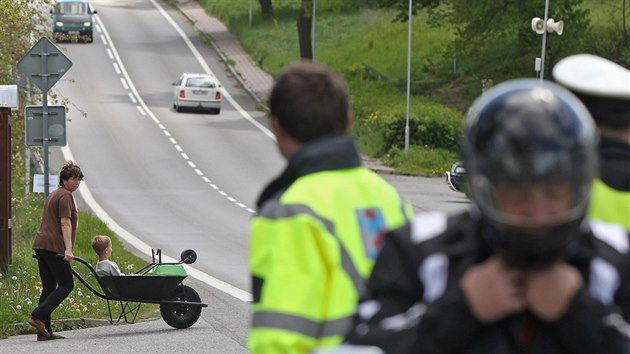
[251, 11]
[408, 78]
[313, 29]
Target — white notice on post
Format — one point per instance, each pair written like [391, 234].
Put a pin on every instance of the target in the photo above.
[38, 183]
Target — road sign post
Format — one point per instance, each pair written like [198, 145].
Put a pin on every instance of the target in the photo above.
[45, 64]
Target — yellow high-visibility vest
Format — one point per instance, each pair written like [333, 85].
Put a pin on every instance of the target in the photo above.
[312, 248]
[610, 205]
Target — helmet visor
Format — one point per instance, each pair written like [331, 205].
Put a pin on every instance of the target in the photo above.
[531, 207]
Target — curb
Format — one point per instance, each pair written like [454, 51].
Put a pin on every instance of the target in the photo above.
[63, 324]
[69, 324]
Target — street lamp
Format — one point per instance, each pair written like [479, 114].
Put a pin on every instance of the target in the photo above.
[251, 11]
[542, 26]
[313, 29]
[408, 78]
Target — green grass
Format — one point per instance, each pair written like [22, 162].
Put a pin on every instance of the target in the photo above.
[421, 160]
[370, 51]
[602, 11]
[342, 40]
[20, 285]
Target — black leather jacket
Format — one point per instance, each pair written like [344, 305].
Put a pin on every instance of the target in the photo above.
[416, 305]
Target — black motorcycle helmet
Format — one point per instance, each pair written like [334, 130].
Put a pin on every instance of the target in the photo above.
[529, 133]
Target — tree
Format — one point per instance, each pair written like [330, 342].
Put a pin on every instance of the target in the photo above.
[623, 54]
[266, 9]
[18, 20]
[494, 39]
[613, 40]
[304, 27]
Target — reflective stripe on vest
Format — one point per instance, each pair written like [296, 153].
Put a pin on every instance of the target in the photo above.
[310, 328]
[279, 211]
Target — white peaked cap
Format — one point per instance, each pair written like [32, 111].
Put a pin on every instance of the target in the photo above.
[594, 76]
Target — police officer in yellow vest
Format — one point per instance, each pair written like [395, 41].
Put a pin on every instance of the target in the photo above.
[604, 87]
[320, 224]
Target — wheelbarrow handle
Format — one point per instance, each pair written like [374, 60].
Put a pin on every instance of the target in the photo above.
[57, 255]
[62, 256]
[74, 258]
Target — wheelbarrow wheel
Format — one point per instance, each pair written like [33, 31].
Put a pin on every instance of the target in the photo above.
[181, 316]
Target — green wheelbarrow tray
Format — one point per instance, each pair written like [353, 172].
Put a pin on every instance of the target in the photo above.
[168, 269]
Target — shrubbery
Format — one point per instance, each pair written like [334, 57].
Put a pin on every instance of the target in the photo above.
[449, 62]
[381, 118]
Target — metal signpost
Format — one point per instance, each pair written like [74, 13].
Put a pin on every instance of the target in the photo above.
[45, 64]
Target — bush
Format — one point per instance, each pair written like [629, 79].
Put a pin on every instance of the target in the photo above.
[381, 115]
[430, 131]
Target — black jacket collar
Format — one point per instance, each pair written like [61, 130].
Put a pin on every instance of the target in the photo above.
[333, 152]
[615, 163]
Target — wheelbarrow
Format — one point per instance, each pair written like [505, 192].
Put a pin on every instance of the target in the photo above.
[156, 283]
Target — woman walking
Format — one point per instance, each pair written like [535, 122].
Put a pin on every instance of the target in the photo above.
[56, 235]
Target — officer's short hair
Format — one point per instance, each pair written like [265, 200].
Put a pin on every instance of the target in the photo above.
[310, 101]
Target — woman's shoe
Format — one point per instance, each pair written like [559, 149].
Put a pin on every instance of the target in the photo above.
[50, 337]
[39, 326]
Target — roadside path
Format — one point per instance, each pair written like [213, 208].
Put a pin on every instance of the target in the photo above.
[255, 80]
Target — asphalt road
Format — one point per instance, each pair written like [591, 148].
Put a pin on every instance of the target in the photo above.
[162, 179]
[175, 180]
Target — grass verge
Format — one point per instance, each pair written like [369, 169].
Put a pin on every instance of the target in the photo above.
[370, 51]
[20, 285]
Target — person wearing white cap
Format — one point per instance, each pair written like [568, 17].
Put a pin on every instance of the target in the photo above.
[604, 88]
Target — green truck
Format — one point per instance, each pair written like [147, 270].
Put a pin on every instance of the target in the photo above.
[73, 19]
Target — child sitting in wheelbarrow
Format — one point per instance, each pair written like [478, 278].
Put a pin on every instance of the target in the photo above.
[102, 245]
[156, 283]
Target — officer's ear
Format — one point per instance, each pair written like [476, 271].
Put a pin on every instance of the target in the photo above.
[286, 143]
[278, 130]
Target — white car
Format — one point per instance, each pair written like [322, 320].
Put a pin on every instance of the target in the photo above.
[201, 91]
